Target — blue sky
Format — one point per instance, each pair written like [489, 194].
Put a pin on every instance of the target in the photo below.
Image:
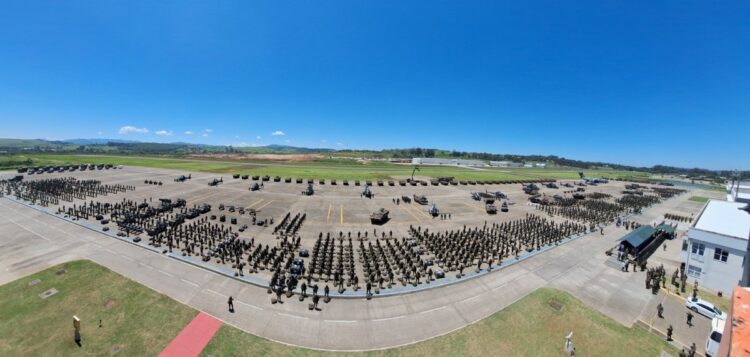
[636, 83]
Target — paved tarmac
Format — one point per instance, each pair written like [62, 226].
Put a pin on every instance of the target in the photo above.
[32, 240]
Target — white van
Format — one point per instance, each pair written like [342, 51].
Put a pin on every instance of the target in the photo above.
[714, 337]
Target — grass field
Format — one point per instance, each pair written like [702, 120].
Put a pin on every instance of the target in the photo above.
[140, 322]
[136, 320]
[700, 199]
[318, 169]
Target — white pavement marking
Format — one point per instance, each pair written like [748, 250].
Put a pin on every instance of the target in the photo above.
[292, 316]
[432, 310]
[341, 321]
[249, 305]
[390, 318]
[215, 292]
[189, 282]
[471, 298]
[165, 273]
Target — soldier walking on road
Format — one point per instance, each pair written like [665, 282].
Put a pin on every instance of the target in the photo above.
[690, 319]
[669, 333]
[230, 302]
[660, 311]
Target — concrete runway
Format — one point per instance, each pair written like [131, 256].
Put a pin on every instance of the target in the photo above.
[31, 241]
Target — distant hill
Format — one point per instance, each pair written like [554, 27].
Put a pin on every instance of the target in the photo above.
[97, 141]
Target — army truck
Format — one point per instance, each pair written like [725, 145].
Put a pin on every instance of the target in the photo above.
[490, 208]
[422, 200]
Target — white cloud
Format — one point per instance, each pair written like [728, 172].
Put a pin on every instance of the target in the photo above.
[164, 133]
[128, 129]
[208, 130]
[258, 137]
[287, 141]
[188, 132]
[236, 136]
[278, 133]
[204, 135]
[340, 144]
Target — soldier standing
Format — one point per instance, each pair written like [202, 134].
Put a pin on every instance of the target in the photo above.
[691, 353]
[690, 319]
[325, 291]
[316, 298]
[369, 289]
[230, 302]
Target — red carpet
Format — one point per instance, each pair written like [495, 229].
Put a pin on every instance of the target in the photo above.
[193, 338]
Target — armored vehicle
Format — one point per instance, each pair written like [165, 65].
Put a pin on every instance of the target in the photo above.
[276, 179]
[245, 177]
[422, 200]
[266, 178]
[504, 207]
[309, 191]
[530, 189]
[552, 185]
[406, 199]
[380, 216]
[490, 208]
[236, 176]
[255, 187]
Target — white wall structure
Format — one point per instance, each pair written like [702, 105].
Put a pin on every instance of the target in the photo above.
[452, 162]
[738, 191]
[716, 245]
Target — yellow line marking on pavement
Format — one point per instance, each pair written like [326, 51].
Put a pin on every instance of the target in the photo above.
[328, 218]
[422, 212]
[267, 203]
[411, 214]
[248, 207]
[342, 213]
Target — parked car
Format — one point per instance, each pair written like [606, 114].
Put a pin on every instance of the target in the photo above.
[714, 337]
[705, 308]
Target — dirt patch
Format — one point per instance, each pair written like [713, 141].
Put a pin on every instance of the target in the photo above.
[110, 304]
[265, 157]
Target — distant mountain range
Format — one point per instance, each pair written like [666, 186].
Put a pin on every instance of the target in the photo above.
[132, 147]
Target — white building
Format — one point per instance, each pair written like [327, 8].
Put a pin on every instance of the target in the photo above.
[505, 164]
[715, 246]
[452, 162]
[738, 191]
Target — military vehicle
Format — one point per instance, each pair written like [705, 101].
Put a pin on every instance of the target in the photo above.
[422, 200]
[590, 180]
[434, 182]
[245, 177]
[221, 206]
[216, 182]
[380, 182]
[255, 187]
[580, 189]
[266, 178]
[579, 196]
[309, 191]
[333, 182]
[276, 179]
[356, 182]
[552, 185]
[346, 182]
[287, 179]
[380, 216]
[17, 178]
[445, 180]
[504, 207]
[22, 170]
[297, 269]
[434, 211]
[368, 183]
[256, 177]
[406, 199]
[182, 178]
[490, 208]
[402, 183]
[367, 192]
[299, 180]
[391, 183]
[475, 196]
[236, 176]
[530, 189]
